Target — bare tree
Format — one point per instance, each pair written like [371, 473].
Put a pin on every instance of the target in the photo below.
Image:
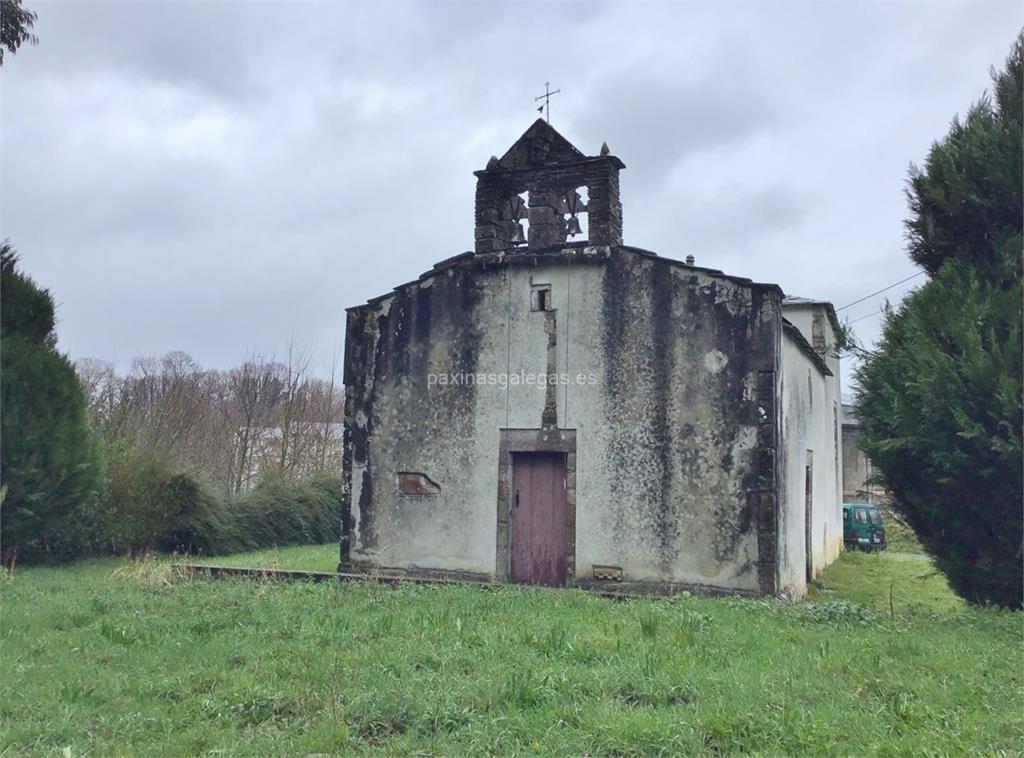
[293, 406]
[255, 389]
[101, 386]
[231, 427]
[328, 407]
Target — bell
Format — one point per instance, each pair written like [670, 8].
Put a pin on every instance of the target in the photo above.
[574, 203]
[517, 234]
[517, 207]
[574, 227]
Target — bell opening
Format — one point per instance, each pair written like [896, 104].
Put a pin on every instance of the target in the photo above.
[521, 232]
[573, 206]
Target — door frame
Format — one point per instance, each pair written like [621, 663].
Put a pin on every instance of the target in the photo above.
[809, 514]
[534, 441]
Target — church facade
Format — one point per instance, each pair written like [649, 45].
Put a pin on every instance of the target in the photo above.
[548, 410]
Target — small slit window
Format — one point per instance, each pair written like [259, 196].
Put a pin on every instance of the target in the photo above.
[540, 297]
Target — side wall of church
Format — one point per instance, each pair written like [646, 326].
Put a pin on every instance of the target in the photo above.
[812, 438]
[658, 367]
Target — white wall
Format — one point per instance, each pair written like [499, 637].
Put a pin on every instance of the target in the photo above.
[811, 412]
[666, 434]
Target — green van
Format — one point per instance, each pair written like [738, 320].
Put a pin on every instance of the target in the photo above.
[862, 527]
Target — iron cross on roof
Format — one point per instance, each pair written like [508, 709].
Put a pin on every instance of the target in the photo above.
[546, 97]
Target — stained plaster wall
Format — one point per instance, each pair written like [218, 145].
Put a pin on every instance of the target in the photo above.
[662, 363]
[810, 405]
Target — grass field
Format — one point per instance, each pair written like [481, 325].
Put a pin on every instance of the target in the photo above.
[900, 537]
[906, 585]
[118, 658]
[303, 558]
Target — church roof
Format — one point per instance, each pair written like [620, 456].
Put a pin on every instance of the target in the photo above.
[794, 333]
[540, 145]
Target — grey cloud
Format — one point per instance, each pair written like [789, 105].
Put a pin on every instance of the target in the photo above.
[734, 220]
[673, 117]
[212, 177]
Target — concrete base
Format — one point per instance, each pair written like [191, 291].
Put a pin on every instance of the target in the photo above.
[393, 576]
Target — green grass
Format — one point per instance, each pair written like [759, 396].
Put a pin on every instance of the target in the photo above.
[900, 538]
[295, 558]
[913, 582]
[117, 658]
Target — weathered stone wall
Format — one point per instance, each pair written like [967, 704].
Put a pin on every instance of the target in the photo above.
[545, 186]
[667, 374]
[675, 452]
[396, 423]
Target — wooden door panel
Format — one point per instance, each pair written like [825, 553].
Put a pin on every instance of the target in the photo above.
[538, 520]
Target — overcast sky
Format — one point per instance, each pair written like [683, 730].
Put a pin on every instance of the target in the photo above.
[213, 177]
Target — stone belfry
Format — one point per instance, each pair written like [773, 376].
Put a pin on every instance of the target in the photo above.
[547, 183]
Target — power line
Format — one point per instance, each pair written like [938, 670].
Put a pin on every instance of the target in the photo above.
[884, 289]
[870, 315]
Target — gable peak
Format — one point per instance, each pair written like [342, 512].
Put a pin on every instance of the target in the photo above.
[540, 145]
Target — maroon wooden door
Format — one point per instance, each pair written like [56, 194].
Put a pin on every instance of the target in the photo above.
[540, 536]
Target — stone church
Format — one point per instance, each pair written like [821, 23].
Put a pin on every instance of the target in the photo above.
[559, 408]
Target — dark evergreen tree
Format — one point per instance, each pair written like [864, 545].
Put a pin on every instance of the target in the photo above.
[940, 400]
[50, 463]
[966, 202]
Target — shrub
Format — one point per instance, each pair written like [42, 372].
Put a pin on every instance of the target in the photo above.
[281, 512]
[151, 505]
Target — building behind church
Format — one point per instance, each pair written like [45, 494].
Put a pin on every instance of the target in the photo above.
[556, 407]
[859, 473]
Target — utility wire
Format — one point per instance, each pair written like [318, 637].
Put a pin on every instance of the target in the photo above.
[884, 289]
[870, 315]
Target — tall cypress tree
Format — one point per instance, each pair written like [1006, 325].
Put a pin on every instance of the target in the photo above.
[50, 464]
[940, 400]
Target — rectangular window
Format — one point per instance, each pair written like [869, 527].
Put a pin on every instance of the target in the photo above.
[540, 297]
